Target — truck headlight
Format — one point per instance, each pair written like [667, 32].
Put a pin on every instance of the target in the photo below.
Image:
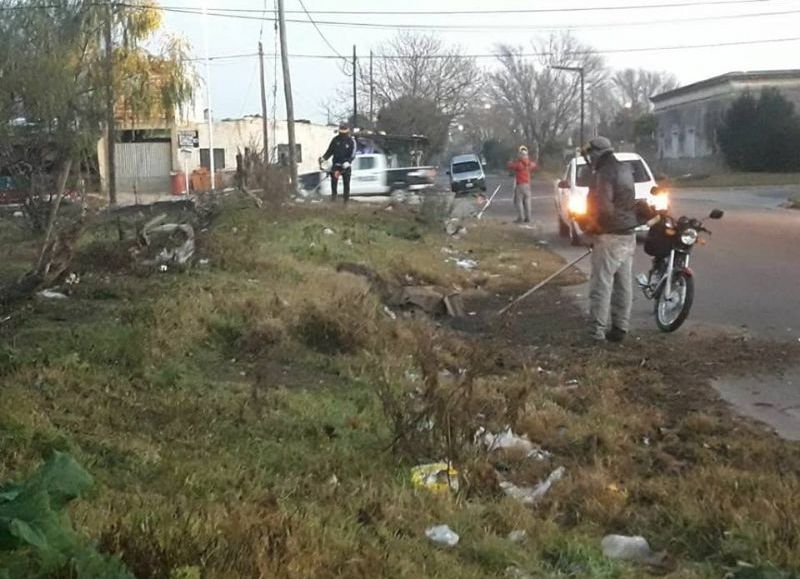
[689, 236]
[660, 201]
[577, 205]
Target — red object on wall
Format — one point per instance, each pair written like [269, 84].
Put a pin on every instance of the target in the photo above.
[178, 179]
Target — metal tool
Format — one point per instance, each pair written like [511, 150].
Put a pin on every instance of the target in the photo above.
[543, 283]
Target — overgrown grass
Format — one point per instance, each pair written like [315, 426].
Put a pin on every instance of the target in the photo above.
[258, 418]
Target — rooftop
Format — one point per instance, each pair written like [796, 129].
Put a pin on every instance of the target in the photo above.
[751, 76]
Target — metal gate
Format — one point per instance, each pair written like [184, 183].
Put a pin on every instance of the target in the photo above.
[143, 167]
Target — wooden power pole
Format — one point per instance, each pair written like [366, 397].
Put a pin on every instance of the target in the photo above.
[355, 94]
[287, 89]
[264, 125]
[111, 132]
[371, 94]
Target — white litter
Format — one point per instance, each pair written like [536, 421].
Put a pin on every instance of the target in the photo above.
[517, 536]
[442, 535]
[327, 231]
[389, 312]
[51, 295]
[467, 264]
[532, 495]
[507, 440]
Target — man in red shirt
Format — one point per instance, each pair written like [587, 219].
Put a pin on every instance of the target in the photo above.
[523, 169]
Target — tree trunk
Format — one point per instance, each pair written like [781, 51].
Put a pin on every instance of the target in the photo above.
[66, 167]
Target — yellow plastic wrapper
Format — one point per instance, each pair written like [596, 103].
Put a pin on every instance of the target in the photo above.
[437, 477]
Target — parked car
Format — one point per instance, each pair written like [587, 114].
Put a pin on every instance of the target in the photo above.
[466, 174]
[573, 187]
[371, 175]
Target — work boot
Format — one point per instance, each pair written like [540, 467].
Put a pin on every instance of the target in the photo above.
[616, 335]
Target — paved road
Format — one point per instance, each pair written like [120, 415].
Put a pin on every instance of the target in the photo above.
[747, 277]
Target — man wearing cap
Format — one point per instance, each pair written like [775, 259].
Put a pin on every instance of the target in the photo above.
[343, 151]
[611, 219]
[523, 169]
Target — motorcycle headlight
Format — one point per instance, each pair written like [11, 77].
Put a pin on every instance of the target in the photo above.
[689, 236]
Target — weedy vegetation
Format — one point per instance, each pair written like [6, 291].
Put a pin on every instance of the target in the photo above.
[258, 416]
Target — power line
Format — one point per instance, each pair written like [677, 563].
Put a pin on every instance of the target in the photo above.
[529, 54]
[513, 11]
[226, 13]
[310, 19]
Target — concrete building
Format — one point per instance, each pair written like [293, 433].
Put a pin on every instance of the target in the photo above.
[148, 153]
[689, 116]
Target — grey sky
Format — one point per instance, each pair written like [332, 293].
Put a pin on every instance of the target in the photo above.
[234, 82]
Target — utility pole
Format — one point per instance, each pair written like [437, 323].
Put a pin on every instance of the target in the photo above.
[264, 124]
[111, 132]
[371, 94]
[580, 71]
[211, 167]
[355, 94]
[287, 89]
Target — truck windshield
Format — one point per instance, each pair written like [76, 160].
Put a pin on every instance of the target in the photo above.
[466, 167]
[640, 174]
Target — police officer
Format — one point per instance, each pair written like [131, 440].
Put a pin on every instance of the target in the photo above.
[343, 151]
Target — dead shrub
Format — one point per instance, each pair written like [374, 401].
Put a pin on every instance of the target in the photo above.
[262, 335]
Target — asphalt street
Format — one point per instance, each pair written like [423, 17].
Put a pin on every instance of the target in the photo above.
[748, 275]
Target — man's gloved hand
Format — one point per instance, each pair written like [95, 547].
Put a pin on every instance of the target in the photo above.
[346, 165]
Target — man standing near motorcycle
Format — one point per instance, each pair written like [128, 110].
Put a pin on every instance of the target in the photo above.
[611, 220]
[343, 151]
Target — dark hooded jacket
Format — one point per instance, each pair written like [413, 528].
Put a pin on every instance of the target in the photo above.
[612, 197]
[342, 149]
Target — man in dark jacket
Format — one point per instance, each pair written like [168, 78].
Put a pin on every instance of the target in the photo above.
[343, 151]
[611, 219]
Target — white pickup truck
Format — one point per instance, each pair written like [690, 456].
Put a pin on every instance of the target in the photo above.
[371, 175]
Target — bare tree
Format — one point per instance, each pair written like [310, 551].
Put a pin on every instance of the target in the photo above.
[633, 88]
[544, 102]
[421, 66]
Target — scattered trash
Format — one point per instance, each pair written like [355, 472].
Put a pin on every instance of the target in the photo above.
[635, 549]
[203, 262]
[348, 242]
[507, 440]
[468, 264]
[430, 299]
[51, 295]
[389, 313]
[18, 214]
[442, 535]
[333, 481]
[517, 536]
[72, 279]
[531, 495]
[437, 477]
[572, 383]
[448, 251]
[163, 268]
[327, 231]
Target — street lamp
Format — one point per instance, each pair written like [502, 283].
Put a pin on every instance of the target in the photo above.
[579, 70]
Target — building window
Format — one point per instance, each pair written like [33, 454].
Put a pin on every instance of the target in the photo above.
[283, 153]
[219, 159]
[365, 163]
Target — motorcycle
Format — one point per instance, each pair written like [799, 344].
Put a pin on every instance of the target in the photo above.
[670, 281]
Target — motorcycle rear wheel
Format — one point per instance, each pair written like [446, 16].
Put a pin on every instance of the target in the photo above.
[671, 311]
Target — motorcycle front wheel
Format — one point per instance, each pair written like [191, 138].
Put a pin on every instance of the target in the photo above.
[672, 310]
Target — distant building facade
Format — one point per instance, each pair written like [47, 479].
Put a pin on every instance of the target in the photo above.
[689, 117]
